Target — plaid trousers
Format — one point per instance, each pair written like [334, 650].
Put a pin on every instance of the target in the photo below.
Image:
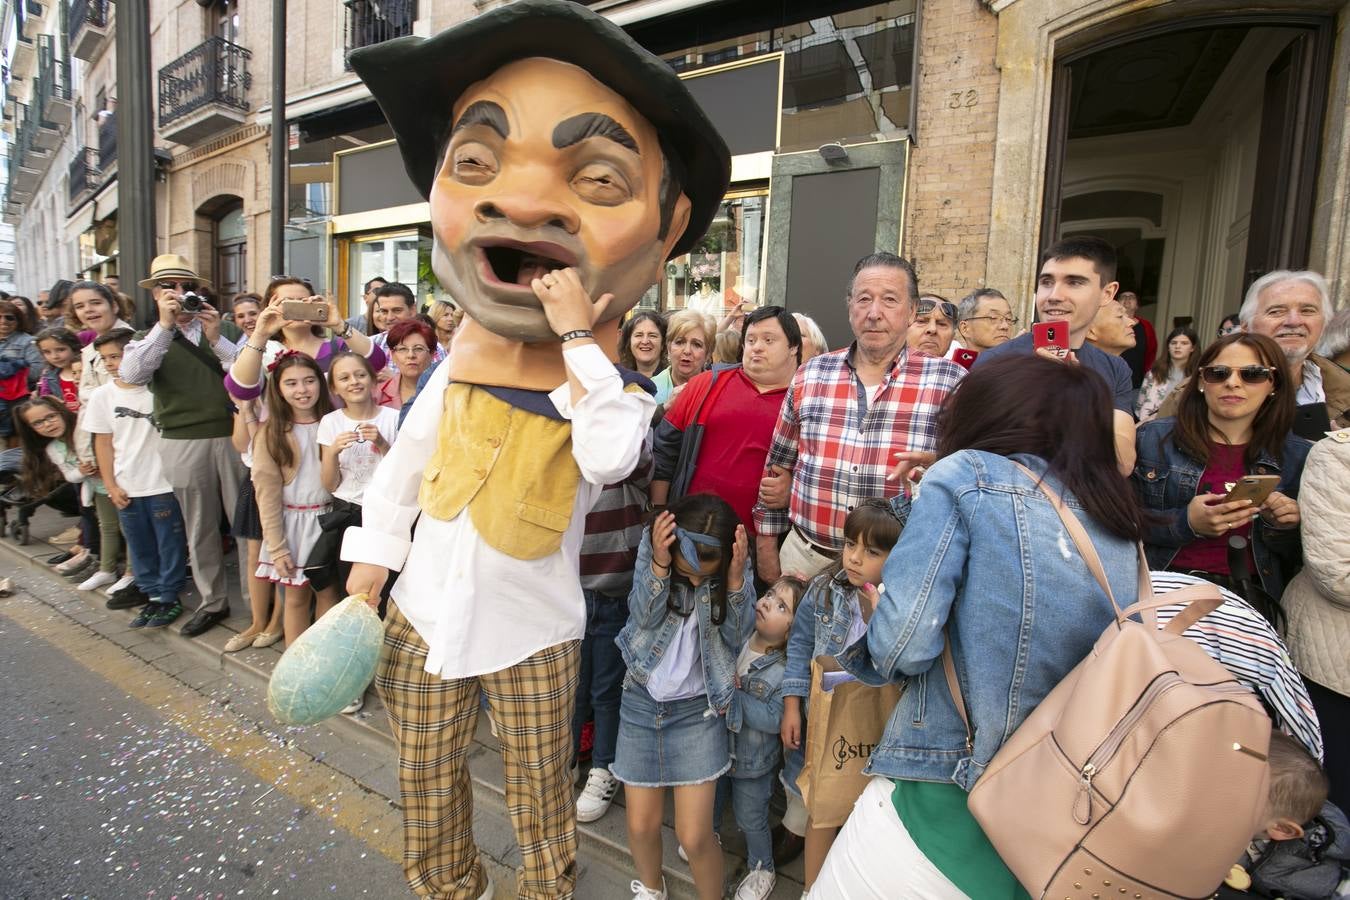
[433, 723]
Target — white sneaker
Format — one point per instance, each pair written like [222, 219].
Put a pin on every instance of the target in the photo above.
[354, 706]
[679, 848]
[642, 892]
[97, 580]
[597, 795]
[757, 885]
[125, 581]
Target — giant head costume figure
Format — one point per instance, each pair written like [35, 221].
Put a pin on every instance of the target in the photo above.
[545, 138]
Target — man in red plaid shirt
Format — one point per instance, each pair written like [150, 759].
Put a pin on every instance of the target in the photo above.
[853, 423]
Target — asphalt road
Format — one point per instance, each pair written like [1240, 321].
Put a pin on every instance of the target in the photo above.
[118, 782]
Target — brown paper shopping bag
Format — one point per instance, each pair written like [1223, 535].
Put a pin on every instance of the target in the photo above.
[846, 723]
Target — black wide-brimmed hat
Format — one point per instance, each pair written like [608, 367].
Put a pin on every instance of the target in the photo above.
[416, 82]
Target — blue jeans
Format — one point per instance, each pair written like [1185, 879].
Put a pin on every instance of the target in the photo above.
[750, 803]
[157, 545]
[600, 685]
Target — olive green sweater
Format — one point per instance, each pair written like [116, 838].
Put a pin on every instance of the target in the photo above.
[190, 398]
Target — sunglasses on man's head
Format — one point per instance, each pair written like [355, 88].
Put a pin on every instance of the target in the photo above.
[1248, 374]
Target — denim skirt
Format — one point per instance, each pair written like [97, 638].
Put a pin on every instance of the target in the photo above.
[668, 744]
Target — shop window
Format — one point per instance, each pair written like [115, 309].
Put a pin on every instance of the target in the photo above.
[399, 257]
[846, 77]
[723, 269]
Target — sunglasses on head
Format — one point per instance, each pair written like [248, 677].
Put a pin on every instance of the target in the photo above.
[926, 307]
[307, 283]
[1248, 374]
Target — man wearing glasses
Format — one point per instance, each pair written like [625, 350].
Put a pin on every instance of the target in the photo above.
[396, 302]
[183, 358]
[985, 319]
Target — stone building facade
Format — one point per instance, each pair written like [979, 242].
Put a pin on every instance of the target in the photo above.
[965, 134]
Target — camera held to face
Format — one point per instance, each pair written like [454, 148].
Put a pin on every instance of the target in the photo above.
[191, 302]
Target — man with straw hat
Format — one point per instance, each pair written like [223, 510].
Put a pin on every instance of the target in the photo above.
[183, 359]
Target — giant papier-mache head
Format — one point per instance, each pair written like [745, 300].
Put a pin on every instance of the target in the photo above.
[543, 137]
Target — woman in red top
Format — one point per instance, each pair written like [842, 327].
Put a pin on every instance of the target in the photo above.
[411, 344]
[1233, 420]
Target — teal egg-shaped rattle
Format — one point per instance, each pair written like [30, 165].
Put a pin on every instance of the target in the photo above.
[328, 666]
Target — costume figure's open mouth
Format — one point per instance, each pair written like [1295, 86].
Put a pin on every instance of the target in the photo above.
[517, 263]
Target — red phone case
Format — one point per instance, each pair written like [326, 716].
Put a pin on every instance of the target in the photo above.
[1050, 334]
[965, 358]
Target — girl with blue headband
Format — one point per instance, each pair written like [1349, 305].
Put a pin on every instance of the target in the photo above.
[690, 612]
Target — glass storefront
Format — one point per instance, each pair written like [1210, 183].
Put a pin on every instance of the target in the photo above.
[845, 76]
[398, 256]
[725, 268]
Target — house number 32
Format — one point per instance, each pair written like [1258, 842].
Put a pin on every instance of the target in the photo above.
[963, 99]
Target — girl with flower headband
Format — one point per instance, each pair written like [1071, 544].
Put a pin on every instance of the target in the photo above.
[690, 612]
[288, 481]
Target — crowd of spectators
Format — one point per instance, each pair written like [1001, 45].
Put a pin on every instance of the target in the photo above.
[866, 503]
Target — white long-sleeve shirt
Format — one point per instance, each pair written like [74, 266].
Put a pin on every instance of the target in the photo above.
[478, 609]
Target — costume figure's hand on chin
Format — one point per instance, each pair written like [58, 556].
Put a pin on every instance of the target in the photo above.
[567, 305]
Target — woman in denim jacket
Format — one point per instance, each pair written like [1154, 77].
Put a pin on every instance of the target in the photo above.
[1232, 420]
[985, 559]
[689, 614]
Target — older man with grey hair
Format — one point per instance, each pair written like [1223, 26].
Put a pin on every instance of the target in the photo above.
[1292, 308]
[985, 319]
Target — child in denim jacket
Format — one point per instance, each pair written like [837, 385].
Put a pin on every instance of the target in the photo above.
[827, 622]
[754, 719]
[689, 613]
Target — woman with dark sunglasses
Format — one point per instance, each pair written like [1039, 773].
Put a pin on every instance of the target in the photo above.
[1233, 420]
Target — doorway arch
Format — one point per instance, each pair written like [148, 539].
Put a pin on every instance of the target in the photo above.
[231, 251]
[1037, 38]
[222, 243]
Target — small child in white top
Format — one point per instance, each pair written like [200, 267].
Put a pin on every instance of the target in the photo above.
[126, 444]
[355, 438]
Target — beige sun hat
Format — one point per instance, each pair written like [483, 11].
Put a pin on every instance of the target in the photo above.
[172, 266]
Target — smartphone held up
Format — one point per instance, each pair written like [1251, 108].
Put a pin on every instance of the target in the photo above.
[304, 311]
[1052, 336]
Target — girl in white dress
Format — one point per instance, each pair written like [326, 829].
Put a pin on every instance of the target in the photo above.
[288, 480]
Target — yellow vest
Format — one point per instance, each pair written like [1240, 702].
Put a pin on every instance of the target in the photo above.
[512, 468]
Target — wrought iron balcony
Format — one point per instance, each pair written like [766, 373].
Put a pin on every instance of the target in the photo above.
[12, 208]
[374, 21]
[204, 91]
[87, 27]
[29, 161]
[29, 14]
[25, 56]
[107, 141]
[85, 177]
[52, 91]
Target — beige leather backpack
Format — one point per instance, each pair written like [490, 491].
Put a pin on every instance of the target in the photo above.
[1143, 773]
